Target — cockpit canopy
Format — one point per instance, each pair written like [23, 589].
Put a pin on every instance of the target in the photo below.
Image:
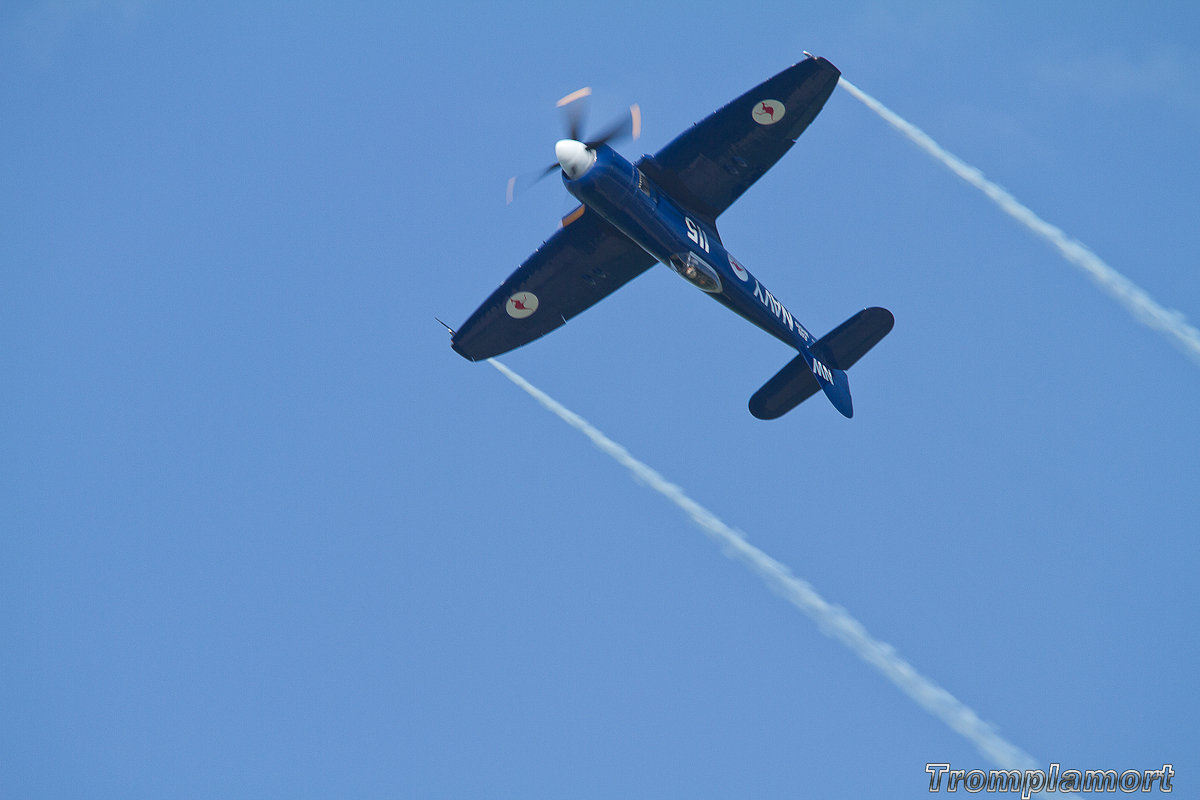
[694, 269]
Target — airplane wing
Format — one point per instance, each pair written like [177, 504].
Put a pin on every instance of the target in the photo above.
[711, 164]
[582, 263]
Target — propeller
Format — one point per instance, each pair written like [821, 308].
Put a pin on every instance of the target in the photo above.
[574, 112]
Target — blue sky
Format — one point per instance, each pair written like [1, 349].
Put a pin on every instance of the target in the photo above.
[265, 534]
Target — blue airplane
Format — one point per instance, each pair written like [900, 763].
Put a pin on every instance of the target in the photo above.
[664, 209]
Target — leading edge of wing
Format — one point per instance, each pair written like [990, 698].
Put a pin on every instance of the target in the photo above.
[720, 157]
[581, 264]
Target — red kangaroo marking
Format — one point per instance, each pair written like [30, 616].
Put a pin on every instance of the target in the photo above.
[768, 110]
[519, 305]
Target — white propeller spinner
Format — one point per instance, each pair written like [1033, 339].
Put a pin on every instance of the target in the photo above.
[574, 157]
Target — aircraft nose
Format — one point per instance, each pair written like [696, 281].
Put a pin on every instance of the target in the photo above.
[574, 157]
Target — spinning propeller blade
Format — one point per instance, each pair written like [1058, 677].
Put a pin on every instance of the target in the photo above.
[630, 126]
[520, 183]
[575, 112]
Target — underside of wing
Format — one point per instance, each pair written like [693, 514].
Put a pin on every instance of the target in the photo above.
[712, 163]
[581, 264]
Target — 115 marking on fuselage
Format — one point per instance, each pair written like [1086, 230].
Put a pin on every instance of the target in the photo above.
[697, 234]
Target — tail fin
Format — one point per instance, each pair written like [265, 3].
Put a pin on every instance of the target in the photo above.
[838, 350]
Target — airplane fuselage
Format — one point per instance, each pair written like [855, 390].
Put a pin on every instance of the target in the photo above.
[619, 192]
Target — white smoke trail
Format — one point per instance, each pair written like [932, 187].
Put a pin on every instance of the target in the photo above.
[833, 620]
[1142, 306]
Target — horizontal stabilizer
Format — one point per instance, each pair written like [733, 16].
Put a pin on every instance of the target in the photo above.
[838, 350]
[790, 387]
[851, 340]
